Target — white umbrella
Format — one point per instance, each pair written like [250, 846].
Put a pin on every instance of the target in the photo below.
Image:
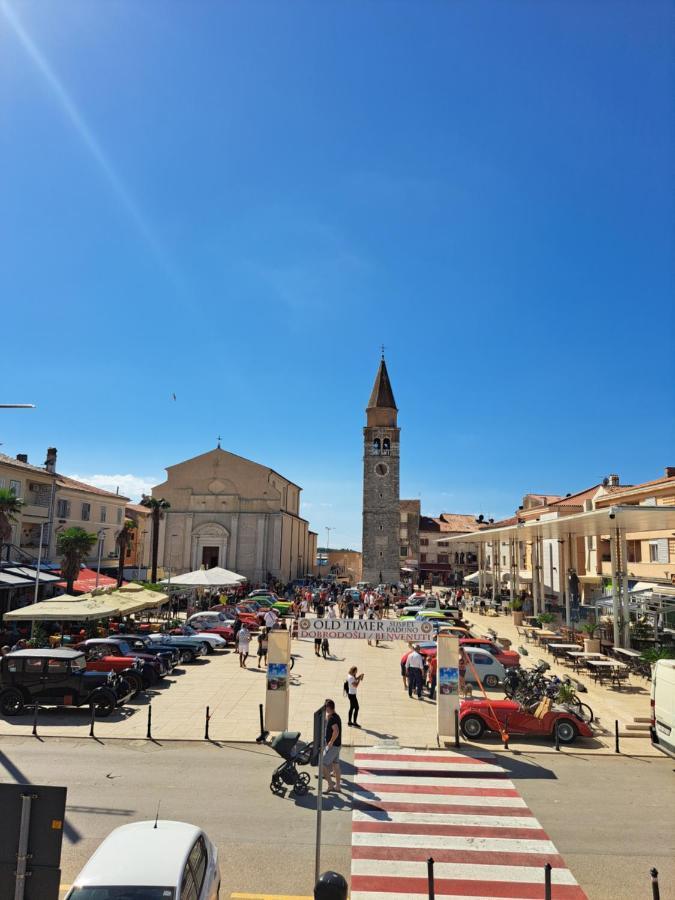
[216, 577]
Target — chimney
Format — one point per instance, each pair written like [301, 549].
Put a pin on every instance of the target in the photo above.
[22, 457]
[670, 471]
[613, 481]
[50, 462]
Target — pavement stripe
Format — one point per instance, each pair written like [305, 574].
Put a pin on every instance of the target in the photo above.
[452, 842]
[469, 766]
[384, 799]
[438, 808]
[487, 856]
[367, 826]
[411, 753]
[365, 888]
[430, 781]
[417, 758]
[482, 818]
[374, 786]
[462, 871]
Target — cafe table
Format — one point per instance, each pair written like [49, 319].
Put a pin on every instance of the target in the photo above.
[604, 668]
[560, 649]
[581, 657]
[631, 654]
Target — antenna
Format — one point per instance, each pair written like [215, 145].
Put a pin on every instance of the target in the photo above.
[159, 803]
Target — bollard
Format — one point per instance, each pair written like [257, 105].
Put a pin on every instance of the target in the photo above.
[149, 735]
[91, 723]
[206, 725]
[547, 881]
[616, 736]
[457, 729]
[331, 886]
[656, 894]
[430, 877]
[506, 740]
[557, 738]
[35, 712]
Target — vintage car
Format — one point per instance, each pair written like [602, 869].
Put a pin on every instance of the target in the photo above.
[169, 657]
[269, 598]
[210, 641]
[100, 651]
[183, 649]
[478, 716]
[213, 623]
[508, 658]
[57, 678]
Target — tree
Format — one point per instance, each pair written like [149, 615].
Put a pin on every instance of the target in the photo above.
[156, 505]
[10, 507]
[73, 546]
[123, 542]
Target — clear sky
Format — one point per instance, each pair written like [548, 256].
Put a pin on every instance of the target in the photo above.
[238, 202]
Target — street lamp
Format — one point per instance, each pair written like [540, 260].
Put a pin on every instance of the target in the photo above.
[101, 536]
[140, 547]
[328, 531]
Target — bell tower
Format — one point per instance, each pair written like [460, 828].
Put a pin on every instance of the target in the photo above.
[381, 514]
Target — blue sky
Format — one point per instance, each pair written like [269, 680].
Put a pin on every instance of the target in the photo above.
[239, 202]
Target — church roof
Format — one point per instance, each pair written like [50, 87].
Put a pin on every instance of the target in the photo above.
[382, 396]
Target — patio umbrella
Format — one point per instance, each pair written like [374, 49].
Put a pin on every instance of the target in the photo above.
[216, 577]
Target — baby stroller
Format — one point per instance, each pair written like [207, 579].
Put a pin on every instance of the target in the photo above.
[294, 753]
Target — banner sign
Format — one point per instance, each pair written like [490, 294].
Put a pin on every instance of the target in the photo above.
[366, 629]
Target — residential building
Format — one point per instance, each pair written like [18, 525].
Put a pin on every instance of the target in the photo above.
[54, 502]
[345, 565]
[231, 512]
[138, 553]
[425, 547]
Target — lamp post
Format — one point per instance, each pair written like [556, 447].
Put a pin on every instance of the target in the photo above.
[168, 584]
[328, 531]
[101, 536]
[39, 560]
[139, 551]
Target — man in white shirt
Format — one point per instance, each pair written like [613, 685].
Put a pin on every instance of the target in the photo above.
[270, 618]
[414, 666]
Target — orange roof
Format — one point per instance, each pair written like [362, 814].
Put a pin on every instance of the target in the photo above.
[89, 488]
[503, 523]
[578, 498]
[139, 508]
[449, 522]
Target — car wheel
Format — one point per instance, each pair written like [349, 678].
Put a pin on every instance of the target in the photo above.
[491, 681]
[103, 706]
[11, 702]
[473, 727]
[186, 656]
[567, 731]
[135, 682]
[207, 648]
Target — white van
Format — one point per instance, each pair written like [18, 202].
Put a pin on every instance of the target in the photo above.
[663, 706]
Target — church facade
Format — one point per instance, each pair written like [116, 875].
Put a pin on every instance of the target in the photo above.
[381, 511]
[231, 512]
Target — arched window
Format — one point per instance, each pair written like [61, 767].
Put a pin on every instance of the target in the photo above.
[376, 447]
[456, 558]
[461, 558]
[386, 447]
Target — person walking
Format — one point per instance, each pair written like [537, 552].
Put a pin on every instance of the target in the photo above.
[414, 666]
[330, 764]
[263, 641]
[352, 686]
[431, 676]
[243, 642]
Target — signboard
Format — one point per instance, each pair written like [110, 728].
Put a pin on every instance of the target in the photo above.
[277, 693]
[366, 629]
[277, 677]
[447, 676]
[448, 680]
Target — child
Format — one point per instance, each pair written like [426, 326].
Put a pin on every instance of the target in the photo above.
[325, 649]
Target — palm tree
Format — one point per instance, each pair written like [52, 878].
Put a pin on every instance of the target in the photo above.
[122, 542]
[73, 545]
[156, 505]
[10, 507]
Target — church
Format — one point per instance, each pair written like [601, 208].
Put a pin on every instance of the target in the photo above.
[231, 512]
[381, 512]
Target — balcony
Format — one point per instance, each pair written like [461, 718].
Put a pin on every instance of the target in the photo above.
[36, 504]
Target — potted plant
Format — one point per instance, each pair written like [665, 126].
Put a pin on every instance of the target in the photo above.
[517, 610]
[545, 619]
[591, 643]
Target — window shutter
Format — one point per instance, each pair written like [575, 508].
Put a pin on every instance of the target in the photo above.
[662, 550]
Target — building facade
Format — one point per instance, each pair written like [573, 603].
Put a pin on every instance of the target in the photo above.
[381, 514]
[425, 547]
[231, 512]
[53, 503]
[345, 565]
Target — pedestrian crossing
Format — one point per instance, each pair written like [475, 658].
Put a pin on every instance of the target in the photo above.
[459, 808]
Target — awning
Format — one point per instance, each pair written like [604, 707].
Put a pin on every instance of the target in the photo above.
[26, 572]
[133, 598]
[7, 580]
[86, 581]
[216, 577]
[64, 609]
[640, 586]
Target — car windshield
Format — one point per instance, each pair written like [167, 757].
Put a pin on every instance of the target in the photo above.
[118, 892]
[79, 664]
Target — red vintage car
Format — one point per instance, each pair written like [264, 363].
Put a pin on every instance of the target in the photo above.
[508, 658]
[478, 716]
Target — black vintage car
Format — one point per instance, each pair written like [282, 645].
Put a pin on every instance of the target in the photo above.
[57, 678]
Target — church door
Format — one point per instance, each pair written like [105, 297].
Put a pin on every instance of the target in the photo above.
[209, 557]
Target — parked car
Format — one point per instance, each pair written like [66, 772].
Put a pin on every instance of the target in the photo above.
[487, 668]
[662, 727]
[157, 860]
[508, 658]
[269, 598]
[140, 673]
[99, 652]
[57, 678]
[182, 649]
[209, 642]
[213, 623]
[478, 716]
